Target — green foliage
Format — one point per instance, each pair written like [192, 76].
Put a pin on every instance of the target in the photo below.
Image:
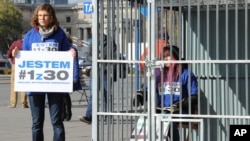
[10, 24]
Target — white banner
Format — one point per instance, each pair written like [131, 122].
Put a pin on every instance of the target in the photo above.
[44, 71]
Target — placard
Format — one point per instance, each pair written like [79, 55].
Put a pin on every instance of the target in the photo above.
[41, 71]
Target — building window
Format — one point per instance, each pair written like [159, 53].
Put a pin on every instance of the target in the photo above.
[68, 20]
[68, 30]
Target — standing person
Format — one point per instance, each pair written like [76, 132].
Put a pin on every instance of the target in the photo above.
[46, 29]
[14, 95]
[88, 115]
[174, 85]
[106, 92]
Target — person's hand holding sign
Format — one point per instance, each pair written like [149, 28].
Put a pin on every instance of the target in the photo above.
[14, 51]
[73, 52]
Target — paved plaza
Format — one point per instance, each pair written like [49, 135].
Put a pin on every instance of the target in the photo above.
[15, 123]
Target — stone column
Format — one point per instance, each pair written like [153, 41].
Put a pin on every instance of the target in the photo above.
[80, 34]
[85, 34]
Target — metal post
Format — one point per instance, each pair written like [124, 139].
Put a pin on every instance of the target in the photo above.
[151, 39]
[137, 23]
[94, 70]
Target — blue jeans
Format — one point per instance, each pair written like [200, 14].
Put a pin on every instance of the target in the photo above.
[89, 108]
[105, 94]
[37, 107]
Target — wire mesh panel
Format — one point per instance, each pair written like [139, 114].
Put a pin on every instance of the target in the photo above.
[169, 69]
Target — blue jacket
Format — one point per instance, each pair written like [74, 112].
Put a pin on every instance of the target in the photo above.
[76, 66]
[185, 85]
[61, 44]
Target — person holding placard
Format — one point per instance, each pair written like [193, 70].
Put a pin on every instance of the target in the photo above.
[46, 31]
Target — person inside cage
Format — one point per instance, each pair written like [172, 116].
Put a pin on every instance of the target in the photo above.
[175, 83]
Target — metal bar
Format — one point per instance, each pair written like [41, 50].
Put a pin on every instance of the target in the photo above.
[246, 54]
[208, 66]
[152, 39]
[236, 107]
[186, 3]
[94, 69]
[181, 61]
[204, 116]
[216, 65]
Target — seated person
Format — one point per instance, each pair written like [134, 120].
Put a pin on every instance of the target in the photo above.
[174, 82]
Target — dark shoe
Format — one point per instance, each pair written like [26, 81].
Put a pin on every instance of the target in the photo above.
[85, 119]
[68, 116]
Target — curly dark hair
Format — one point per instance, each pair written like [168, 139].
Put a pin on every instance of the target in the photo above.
[47, 7]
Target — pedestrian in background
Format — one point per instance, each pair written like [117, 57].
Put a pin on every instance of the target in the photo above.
[46, 29]
[14, 95]
[106, 80]
[88, 114]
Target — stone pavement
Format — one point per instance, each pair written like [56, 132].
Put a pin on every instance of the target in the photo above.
[15, 123]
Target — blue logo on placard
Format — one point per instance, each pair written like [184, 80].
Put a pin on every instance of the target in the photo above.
[87, 7]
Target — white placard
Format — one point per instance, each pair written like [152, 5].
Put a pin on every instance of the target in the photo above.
[44, 71]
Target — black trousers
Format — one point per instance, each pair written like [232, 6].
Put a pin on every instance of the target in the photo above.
[67, 104]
